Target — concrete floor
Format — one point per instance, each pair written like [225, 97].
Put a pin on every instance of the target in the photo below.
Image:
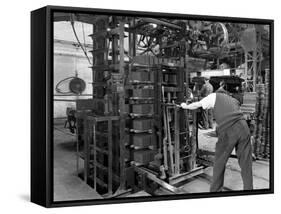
[68, 186]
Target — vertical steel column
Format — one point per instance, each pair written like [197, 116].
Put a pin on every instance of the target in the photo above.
[246, 64]
[86, 148]
[186, 71]
[95, 154]
[194, 143]
[254, 68]
[177, 141]
[122, 106]
[132, 40]
[109, 156]
[157, 108]
[77, 147]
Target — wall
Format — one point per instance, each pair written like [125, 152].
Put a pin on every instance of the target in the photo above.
[69, 58]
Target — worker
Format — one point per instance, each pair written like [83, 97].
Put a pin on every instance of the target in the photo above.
[207, 114]
[189, 94]
[238, 95]
[233, 132]
[196, 91]
[221, 89]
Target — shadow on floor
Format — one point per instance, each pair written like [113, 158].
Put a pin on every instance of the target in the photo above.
[67, 146]
[25, 197]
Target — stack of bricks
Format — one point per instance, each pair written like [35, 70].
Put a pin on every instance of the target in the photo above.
[266, 124]
[249, 103]
[140, 126]
[262, 129]
[259, 118]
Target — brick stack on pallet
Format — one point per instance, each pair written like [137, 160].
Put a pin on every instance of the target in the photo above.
[140, 123]
[266, 125]
[249, 104]
[262, 129]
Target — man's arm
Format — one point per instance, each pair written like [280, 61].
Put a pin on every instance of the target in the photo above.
[191, 106]
[206, 103]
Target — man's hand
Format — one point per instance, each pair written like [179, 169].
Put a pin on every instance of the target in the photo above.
[184, 105]
[191, 106]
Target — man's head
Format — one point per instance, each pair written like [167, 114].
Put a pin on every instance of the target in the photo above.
[206, 78]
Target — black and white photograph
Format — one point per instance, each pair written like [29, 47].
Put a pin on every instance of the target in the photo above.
[147, 106]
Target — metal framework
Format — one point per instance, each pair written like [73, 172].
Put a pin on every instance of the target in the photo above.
[253, 58]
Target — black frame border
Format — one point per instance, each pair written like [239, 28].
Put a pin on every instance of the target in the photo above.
[42, 105]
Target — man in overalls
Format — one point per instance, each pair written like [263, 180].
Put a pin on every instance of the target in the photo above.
[233, 132]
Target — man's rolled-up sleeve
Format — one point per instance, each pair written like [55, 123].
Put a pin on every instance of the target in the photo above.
[209, 101]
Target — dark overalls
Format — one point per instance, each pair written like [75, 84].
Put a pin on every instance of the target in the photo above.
[233, 132]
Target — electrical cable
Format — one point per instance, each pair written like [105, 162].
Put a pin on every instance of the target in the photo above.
[83, 30]
[76, 36]
[72, 89]
[57, 86]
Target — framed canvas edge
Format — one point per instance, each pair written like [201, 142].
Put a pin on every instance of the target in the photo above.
[38, 152]
[49, 107]
[158, 14]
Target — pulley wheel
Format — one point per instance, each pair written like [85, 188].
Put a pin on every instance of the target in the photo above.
[77, 85]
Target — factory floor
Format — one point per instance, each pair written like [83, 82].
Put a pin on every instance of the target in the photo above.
[68, 186]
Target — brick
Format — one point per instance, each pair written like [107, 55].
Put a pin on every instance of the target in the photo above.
[142, 140]
[144, 156]
[142, 93]
[143, 124]
[143, 109]
[139, 75]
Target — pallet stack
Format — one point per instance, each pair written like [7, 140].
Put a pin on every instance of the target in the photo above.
[266, 125]
[140, 122]
[261, 133]
[249, 104]
[104, 127]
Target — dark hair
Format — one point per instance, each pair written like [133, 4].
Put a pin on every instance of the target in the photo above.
[222, 83]
[222, 92]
